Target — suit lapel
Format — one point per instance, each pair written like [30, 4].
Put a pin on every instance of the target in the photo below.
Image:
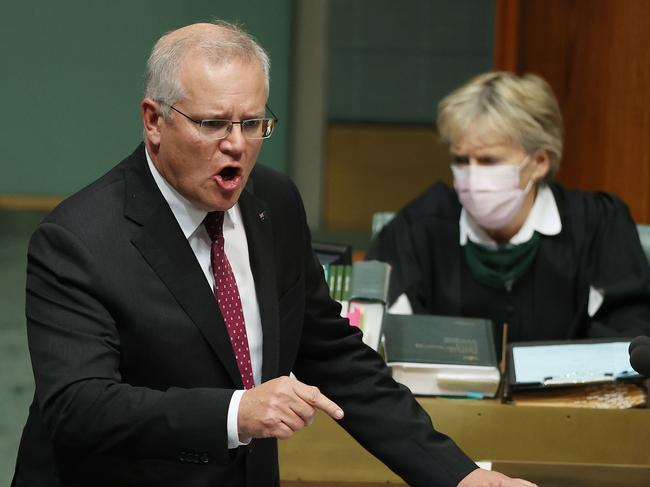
[258, 223]
[163, 245]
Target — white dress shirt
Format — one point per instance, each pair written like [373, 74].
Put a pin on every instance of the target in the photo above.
[190, 220]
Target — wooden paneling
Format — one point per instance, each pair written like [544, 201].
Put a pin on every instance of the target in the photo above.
[545, 474]
[317, 483]
[485, 430]
[506, 24]
[595, 55]
[23, 202]
[376, 167]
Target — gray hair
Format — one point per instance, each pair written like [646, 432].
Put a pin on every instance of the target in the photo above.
[497, 104]
[220, 41]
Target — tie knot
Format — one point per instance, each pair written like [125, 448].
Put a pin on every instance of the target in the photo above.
[214, 224]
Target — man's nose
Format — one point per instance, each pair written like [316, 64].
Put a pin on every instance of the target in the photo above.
[235, 139]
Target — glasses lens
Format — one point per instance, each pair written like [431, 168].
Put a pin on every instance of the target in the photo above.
[254, 128]
[257, 128]
[216, 128]
[269, 125]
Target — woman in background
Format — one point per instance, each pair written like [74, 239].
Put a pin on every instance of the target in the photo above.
[508, 243]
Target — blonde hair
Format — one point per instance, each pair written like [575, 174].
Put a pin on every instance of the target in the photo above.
[502, 104]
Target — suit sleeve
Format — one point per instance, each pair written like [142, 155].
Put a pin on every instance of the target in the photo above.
[75, 347]
[617, 270]
[380, 414]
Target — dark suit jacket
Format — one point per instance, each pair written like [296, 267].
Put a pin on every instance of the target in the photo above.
[133, 365]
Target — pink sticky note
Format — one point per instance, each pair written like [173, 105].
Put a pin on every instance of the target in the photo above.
[354, 315]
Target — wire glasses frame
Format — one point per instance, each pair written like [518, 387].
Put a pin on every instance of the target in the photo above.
[251, 128]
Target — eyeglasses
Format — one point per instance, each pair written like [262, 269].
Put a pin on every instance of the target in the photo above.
[251, 129]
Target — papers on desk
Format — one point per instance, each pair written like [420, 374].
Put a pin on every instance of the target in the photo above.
[604, 395]
[569, 363]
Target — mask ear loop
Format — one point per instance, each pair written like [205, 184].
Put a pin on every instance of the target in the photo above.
[521, 165]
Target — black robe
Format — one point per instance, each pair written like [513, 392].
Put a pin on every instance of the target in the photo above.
[598, 246]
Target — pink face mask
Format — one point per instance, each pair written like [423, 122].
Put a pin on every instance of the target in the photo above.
[491, 194]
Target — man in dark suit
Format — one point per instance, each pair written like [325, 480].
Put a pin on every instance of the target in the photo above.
[168, 302]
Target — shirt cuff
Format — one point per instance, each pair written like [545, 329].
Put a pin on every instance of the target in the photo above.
[233, 413]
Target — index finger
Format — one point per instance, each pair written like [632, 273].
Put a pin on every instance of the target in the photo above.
[315, 398]
[525, 483]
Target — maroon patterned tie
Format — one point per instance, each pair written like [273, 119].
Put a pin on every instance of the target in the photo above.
[227, 294]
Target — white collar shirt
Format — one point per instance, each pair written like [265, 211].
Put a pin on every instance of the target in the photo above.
[190, 220]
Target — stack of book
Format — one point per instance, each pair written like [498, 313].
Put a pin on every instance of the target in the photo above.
[336, 260]
[338, 277]
[367, 299]
[442, 355]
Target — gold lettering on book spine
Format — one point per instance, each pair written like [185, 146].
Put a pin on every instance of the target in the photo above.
[465, 348]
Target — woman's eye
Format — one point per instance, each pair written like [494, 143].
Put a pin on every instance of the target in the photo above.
[459, 160]
[488, 160]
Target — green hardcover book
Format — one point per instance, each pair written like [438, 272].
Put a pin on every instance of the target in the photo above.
[347, 280]
[370, 281]
[442, 355]
[331, 279]
[338, 286]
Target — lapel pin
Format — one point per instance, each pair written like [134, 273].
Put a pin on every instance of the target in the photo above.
[262, 215]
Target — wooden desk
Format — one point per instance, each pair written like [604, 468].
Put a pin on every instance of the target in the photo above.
[485, 430]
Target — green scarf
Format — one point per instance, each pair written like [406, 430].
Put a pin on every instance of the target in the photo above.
[501, 267]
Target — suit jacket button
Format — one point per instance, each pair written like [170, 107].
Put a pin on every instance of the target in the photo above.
[205, 458]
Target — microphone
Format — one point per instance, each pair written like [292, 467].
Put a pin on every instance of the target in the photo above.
[639, 341]
[640, 355]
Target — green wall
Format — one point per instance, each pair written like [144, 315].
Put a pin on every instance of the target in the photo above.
[432, 47]
[71, 82]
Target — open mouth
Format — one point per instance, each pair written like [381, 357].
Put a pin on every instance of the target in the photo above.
[229, 173]
[229, 177]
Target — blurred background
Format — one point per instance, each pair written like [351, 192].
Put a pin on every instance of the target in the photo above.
[355, 85]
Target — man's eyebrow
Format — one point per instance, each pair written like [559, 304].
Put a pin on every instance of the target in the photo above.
[255, 114]
[216, 115]
[225, 115]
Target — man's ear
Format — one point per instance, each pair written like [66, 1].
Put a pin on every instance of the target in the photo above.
[542, 165]
[152, 120]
